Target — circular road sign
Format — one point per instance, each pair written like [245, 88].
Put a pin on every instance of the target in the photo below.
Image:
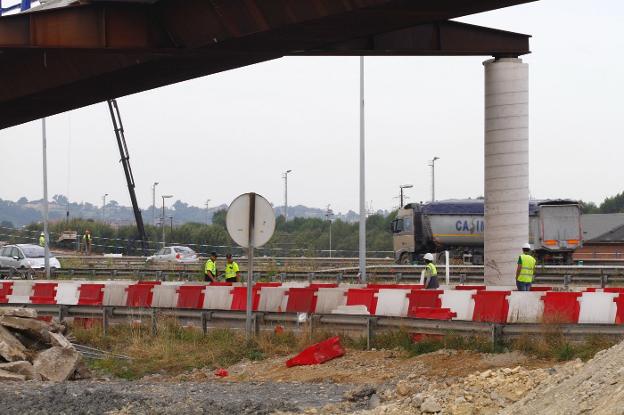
[239, 217]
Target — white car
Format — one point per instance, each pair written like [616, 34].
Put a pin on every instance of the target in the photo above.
[25, 256]
[177, 254]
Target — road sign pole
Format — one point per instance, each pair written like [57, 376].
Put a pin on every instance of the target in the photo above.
[252, 220]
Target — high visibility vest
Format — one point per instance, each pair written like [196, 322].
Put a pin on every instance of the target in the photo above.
[212, 267]
[231, 270]
[431, 270]
[87, 237]
[42, 241]
[527, 270]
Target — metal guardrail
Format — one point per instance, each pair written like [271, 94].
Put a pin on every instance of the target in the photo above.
[365, 325]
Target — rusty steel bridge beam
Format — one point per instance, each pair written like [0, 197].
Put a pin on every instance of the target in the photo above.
[60, 59]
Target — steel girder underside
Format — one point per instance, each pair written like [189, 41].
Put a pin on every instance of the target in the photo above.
[56, 59]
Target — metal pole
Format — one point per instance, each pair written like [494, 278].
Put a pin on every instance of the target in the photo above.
[433, 177]
[252, 220]
[162, 222]
[104, 207]
[401, 198]
[154, 203]
[362, 247]
[286, 197]
[45, 200]
[330, 239]
[448, 267]
[207, 212]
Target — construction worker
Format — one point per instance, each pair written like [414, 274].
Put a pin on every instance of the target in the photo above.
[431, 272]
[525, 270]
[210, 269]
[86, 240]
[232, 273]
[42, 241]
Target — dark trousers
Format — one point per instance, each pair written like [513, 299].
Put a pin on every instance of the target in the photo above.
[433, 283]
[523, 286]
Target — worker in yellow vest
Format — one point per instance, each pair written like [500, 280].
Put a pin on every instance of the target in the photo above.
[42, 241]
[526, 269]
[86, 239]
[232, 272]
[431, 272]
[210, 269]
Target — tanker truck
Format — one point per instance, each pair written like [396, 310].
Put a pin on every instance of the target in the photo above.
[457, 226]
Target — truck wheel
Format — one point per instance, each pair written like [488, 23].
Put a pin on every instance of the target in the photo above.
[405, 259]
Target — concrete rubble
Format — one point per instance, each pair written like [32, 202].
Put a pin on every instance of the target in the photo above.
[32, 349]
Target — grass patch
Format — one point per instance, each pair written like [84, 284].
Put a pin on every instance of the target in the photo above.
[552, 344]
[177, 349]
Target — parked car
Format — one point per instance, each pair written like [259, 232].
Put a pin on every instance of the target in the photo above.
[177, 254]
[25, 256]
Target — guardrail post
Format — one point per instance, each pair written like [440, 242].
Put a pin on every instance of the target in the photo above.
[567, 279]
[604, 280]
[310, 277]
[312, 323]
[205, 317]
[397, 277]
[154, 317]
[371, 323]
[107, 313]
[256, 320]
[62, 313]
[497, 335]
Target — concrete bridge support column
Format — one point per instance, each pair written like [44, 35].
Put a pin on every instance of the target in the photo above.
[506, 167]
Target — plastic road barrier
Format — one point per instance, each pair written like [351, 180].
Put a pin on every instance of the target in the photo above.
[328, 299]
[22, 290]
[301, 300]
[432, 313]
[363, 296]
[525, 307]
[318, 353]
[272, 299]
[139, 295]
[190, 296]
[218, 297]
[392, 302]
[6, 289]
[239, 298]
[91, 294]
[461, 302]
[598, 308]
[561, 307]
[470, 287]
[425, 298]
[491, 306]
[67, 293]
[44, 293]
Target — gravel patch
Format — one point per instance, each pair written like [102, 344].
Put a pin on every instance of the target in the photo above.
[121, 397]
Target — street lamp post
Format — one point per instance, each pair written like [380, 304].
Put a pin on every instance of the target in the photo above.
[104, 207]
[154, 203]
[362, 224]
[329, 214]
[404, 186]
[285, 176]
[432, 164]
[46, 255]
[162, 222]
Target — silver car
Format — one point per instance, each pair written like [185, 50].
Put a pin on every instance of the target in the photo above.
[176, 254]
[25, 256]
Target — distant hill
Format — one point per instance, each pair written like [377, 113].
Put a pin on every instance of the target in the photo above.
[24, 211]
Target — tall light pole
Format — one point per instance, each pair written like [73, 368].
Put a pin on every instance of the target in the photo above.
[404, 186]
[154, 203]
[207, 201]
[432, 164]
[362, 238]
[285, 176]
[329, 215]
[45, 199]
[104, 207]
[162, 222]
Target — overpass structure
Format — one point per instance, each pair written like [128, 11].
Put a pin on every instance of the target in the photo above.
[66, 54]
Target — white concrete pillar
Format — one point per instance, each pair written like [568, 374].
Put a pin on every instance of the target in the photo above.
[506, 187]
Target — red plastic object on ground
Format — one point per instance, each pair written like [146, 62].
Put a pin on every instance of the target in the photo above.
[6, 289]
[619, 315]
[561, 307]
[44, 293]
[87, 322]
[363, 296]
[419, 337]
[318, 353]
[221, 373]
[91, 294]
[541, 288]
[491, 306]
[425, 298]
[301, 300]
[139, 295]
[470, 287]
[239, 298]
[431, 313]
[190, 296]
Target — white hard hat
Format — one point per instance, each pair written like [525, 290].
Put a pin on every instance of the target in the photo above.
[428, 257]
[526, 246]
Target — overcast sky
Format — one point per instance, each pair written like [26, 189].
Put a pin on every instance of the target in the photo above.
[234, 132]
